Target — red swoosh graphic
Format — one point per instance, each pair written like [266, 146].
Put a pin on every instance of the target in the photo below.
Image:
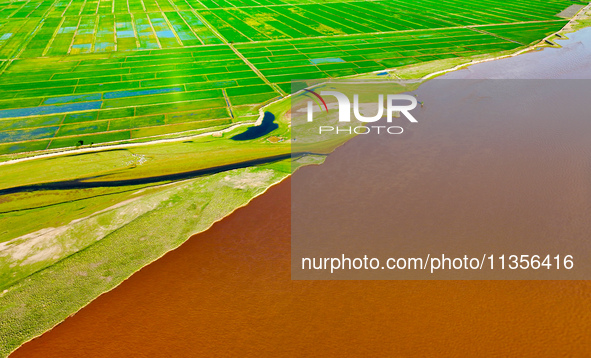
[320, 98]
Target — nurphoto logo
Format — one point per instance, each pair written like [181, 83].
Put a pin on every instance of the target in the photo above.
[396, 105]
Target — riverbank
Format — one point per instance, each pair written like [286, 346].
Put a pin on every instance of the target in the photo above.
[144, 229]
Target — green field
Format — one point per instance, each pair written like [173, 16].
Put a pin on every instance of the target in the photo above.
[77, 73]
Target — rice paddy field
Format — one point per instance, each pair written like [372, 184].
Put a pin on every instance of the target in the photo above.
[81, 72]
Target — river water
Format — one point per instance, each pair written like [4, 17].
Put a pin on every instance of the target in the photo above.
[227, 291]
